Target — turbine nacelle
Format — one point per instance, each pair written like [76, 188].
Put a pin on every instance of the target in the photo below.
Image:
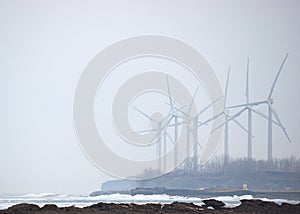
[270, 101]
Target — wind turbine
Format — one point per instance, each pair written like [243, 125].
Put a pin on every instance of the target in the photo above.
[194, 120]
[225, 113]
[249, 112]
[158, 136]
[271, 111]
[175, 117]
[162, 128]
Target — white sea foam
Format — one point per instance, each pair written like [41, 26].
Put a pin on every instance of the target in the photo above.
[63, 200]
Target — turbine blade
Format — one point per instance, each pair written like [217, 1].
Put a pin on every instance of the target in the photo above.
[144, 114]
[240, 125]
[226, 86]
[208, 106]
[170, 138]
[263, 115]
[231, 118]
[177, 109]
[146, 130]
[200, 145]
[169, 91]
[190, 106]
[215, 129]
[247, 104]
[280, 124]
[237, 106]
[171, 125]
[214, 117]
[182, 112]
[247, 82]
[202, 124]
[276, 78]
[168, 121]
[159, 134]
[154, 137]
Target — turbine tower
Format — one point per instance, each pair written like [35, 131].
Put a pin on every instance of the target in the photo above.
[249, 115]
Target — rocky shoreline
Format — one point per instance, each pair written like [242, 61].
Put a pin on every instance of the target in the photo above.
[210, 206]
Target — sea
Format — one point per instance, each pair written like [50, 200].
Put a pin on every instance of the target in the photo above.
[64, 200]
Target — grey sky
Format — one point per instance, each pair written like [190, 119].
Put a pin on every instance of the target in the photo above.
[44, 46]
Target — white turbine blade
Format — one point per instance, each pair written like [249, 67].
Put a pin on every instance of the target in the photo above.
[259, 113]
[240, 125]
[226, 86]
[166, 125]
[166, 117]
[202, 124]
[151, 141]
[160, 122]
[146, 130]
[247, 104]
[280, 123]
[213, 118]
[178, 109]
[208, 106]
[262, 115]
[190, 106]
[178, 124]
[276, 78]
[144, 114]
[157, 136]
[158, 130]
[200, 145]
[231, 118]
[217, 127]
[182, 112]
[247, 82]
[237, 106]
[169, 91]
[170, 138]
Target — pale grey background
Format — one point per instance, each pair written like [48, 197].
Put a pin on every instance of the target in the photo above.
[44, 46]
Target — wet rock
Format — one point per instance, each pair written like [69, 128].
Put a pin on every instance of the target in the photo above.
[22, 209]
[213, 203]
[247, 206]
[257, 205]
[49, 207]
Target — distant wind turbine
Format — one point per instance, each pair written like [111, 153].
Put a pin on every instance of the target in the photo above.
[271, 111]
[196, 124]
[225, 113]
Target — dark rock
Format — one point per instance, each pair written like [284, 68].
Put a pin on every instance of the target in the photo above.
[213, 203]
[49, 207]
[247, 206]
[24, 208]
[255, 205]
[70, 209]
[100, 206]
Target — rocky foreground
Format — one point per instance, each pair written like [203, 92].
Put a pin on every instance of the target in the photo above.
[210, 206]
